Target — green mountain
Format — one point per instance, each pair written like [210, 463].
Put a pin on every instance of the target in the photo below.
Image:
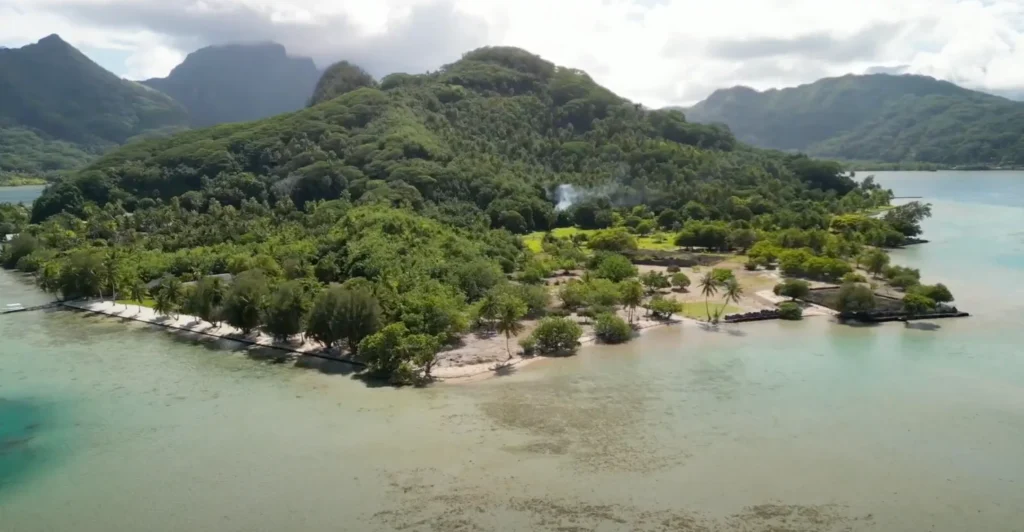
[876, 117]
[339, 78]
[239, 82]
[58, 108]
[488, 136]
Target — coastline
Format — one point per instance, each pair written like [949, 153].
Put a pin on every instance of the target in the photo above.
[195, 327]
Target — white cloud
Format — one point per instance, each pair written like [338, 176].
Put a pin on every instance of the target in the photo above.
[655, 51]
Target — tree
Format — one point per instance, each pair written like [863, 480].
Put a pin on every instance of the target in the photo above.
[708, 288]
[137, 292]
[557, 335]
[392, 351]
[246, 301]
[574, 294]
[206, 298]
[742, 239]
[875, 261]
[476, 277]
[612, 329]
[615, 268]
[602, 293]
[113, 275]
[915, 304]
[286, 310]
[793, 289]
[341, 313]
[654, 281]
[168, 296]
[510, 314]
[614, 240]
[48, 277]
[733, 291]
[854, 298]
[937, 293]
[680, 281]
[663, 308]
[907, 218]
[631, 293]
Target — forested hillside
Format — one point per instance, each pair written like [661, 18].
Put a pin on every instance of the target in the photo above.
[877, 117]
[412, 195]
[58, 108]
[239, 82]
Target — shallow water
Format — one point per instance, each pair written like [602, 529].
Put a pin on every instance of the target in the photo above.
[796, 426]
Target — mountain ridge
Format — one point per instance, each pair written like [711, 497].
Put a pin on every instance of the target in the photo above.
[874, 117]
[239, 82]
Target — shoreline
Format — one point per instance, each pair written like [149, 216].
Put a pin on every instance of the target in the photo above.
[191, 326]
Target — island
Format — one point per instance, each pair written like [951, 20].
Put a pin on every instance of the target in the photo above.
[455, 223]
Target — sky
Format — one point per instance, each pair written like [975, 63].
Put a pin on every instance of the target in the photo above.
[657, 52]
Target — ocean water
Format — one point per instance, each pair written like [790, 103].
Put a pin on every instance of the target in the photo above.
[108, 426]
[25, 194]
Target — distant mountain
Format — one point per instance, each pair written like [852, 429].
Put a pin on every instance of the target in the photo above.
[239, 82]
[876, 117]
[58, 108]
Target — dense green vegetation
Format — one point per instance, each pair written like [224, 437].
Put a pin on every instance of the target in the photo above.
[388, 220]
[880, 117]
[239, 82]
[58, 108]
[339, 78]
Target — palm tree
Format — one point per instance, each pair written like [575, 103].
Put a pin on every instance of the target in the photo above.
[708, 287]
[137, 291]
[112, 273]
[632, 297]
[510, 311]
[733, 293]
[168, 296]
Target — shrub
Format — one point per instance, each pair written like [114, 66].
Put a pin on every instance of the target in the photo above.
[612, 329]
[914, 304]
[854, 278]
[937, 292]
[903, 281]
[680, 281]
[750, 265]
[560, 312]
[673, 269]
[617, 239]
[792, 288]
[616, 268]
[529, 345]
[855, 298]
[722, 275]
[790, 311]
[557, 335]
[663, 308]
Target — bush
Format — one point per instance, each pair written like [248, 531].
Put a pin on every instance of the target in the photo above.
[612, 329]
[915, 304]
[855, 298]
[792, 288]
[574, 294]
[673, 269]
[903, 281]
[937, 292]
[617, 240]
[722, 275]
[750, 265]
[680, 281]
[616, 268]
[557, 335]
[854, 278]
[790, 311]
[560, 312]
[529, 345]
[663, 308]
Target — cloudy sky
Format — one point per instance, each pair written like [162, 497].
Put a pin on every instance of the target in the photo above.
[659, 52]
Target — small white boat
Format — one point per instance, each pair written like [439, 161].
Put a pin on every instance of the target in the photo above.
[11, 307]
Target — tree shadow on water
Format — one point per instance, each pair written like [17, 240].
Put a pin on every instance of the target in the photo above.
[923, 326]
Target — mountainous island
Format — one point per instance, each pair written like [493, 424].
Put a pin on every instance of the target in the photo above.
[58, 108]
[878, 117]
[420, 222]
[239, 82]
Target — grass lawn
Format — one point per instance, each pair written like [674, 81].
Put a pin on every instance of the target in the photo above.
[660, 241]
[695, 309]
[148, 302]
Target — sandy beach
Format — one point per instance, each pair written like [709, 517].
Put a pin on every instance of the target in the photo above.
[479, 355]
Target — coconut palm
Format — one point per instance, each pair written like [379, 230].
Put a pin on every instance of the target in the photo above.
[510, 313]
[733, 293]
[137, 291]
[708, 287]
